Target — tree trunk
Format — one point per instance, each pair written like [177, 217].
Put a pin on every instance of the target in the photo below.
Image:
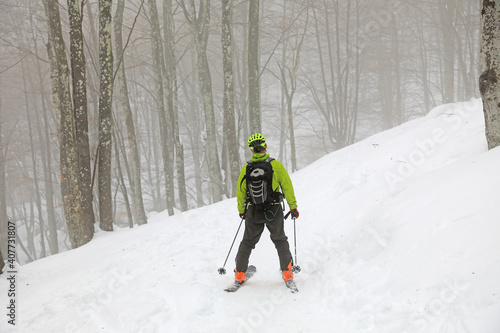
[447, 12]
[62, 102]
[201, 24]
[79, 85]
[36, 192]
[172, 99]
[150, 148]
[489, 84]
[44, 139]
[105, 118]
[289, 76]
[159, 67]
[121, 180]
[254, 113]
[242, 127]
[140, 214]
[386, 88]
[211, 148]
[195, 139]
[228, 102]
[2, 264]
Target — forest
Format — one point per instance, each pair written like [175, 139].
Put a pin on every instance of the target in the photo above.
[110, 110]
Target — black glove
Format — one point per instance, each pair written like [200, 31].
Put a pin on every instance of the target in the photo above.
[242, 216]
[294, 213]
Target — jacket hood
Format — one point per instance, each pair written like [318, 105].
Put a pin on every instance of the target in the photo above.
[259, 157]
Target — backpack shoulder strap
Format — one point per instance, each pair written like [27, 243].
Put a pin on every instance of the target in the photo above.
[245, 176]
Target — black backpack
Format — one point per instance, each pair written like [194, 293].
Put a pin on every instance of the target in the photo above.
[259, 177]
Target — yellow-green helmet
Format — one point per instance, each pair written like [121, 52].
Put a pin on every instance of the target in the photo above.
[257, 140]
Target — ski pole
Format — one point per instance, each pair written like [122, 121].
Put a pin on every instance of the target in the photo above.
[222, 270]
[295, 268]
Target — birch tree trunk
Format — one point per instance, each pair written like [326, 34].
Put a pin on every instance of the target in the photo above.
[140, 214]
[105, 118]
[489, 84]
[59, 75]
[79, 85]
[228, 102]
[254, 113]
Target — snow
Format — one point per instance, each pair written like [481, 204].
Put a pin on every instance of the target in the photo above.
[397, 233]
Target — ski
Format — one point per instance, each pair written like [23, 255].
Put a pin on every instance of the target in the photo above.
[290, 284]
[236, 285]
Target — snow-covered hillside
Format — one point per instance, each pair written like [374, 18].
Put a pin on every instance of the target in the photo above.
[397, 233]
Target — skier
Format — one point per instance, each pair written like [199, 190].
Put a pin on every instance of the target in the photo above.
[259, 203]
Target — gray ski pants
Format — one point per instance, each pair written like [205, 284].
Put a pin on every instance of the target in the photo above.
[254, 226]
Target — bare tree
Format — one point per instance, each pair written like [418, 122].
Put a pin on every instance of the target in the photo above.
[192, 117]
[337, 96]
[36, 191]
[165, 133]
[447, 15]
[199, 22]
[105, 117]
[228, 102]
[172, 99]
[43, 128]
[140, 214]
[254, 113]
[289, 70]
[79, 90]
[78, 233]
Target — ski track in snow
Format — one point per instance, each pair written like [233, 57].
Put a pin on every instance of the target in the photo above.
[397, 233]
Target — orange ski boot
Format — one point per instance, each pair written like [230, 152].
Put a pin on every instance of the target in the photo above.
[239, 276]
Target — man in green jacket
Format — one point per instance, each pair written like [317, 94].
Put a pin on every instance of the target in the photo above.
[269, 215]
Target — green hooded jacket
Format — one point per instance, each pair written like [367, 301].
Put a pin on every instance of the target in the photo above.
[280, 178]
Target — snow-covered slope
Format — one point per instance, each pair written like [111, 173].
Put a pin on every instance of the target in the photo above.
[397, 233]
